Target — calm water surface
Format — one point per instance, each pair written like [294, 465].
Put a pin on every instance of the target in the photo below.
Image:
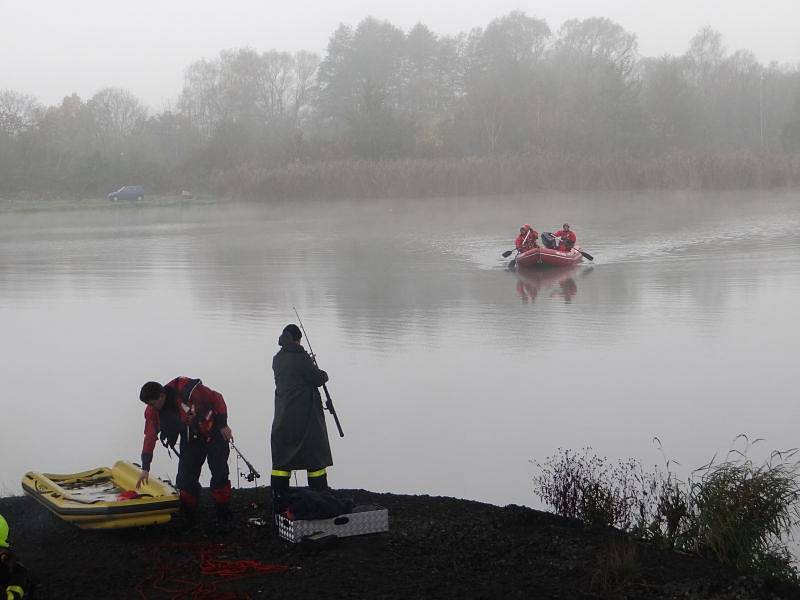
[450, 374]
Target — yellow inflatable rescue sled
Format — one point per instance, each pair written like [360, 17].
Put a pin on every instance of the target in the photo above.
[104, 498]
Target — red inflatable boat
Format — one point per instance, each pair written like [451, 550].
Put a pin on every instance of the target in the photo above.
[545, 256]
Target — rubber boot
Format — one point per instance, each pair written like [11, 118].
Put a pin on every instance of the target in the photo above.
[280, 493]
[319, 483]
[188, 510]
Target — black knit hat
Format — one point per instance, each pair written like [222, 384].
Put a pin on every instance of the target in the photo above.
[294, 331]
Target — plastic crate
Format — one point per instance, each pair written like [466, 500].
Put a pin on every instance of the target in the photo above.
[375, 520]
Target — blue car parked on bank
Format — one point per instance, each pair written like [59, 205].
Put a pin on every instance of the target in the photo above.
[128, 192]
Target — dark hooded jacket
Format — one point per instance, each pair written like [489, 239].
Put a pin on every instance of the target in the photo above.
[299, 435]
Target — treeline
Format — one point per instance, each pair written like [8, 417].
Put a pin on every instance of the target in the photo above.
[513, 106]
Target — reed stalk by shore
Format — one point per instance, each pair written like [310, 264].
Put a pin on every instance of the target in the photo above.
[734, 511]
[472, 176]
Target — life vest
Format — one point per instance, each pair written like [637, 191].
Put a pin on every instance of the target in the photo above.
[196, 417]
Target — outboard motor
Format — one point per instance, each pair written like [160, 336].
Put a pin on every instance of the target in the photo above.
[548, 240]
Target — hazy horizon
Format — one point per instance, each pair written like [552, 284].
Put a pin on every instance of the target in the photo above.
[60, 49]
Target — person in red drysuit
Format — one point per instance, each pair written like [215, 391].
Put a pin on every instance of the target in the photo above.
[184, 408]
[566, 238]
[526, 240]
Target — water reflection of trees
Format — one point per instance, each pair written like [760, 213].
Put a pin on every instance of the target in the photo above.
[392, 274]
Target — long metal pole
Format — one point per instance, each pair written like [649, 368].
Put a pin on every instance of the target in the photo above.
[328, 400]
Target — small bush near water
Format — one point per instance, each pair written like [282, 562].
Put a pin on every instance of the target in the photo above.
[587, 487]
[734, 511]
[742, 512]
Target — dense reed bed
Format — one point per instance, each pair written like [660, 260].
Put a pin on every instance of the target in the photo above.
[735, 511]
[413, 178]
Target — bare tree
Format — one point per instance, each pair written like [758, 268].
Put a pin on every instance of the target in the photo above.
[116, 113]
[201, 99]
[18, 112]
[504, 83]
[306, 67]
[595, 85]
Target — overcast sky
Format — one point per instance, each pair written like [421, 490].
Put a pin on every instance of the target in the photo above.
[52, 48]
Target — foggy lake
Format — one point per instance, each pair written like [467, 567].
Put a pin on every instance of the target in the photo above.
[450, 374]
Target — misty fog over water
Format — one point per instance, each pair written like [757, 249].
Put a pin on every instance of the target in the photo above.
[449, 373]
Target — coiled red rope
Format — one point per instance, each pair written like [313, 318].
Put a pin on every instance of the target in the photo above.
[204, 556]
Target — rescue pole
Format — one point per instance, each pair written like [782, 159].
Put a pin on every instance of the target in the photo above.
[328, 400]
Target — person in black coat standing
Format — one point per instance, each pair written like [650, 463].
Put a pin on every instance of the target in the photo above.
[299, 435]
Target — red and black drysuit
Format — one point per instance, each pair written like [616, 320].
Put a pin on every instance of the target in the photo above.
[567, 238]
[195, 414]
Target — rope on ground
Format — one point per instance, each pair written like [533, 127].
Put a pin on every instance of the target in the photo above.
[166, 582]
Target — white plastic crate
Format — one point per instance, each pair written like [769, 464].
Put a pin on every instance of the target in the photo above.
[356, 523]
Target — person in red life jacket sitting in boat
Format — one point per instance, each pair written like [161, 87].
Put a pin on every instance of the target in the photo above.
[184, 408]
[526, 240]
[13, 576]
[566, 238]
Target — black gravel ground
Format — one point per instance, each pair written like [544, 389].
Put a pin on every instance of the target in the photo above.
[438, 548]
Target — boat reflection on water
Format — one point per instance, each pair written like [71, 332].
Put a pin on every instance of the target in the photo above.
[562, 280]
